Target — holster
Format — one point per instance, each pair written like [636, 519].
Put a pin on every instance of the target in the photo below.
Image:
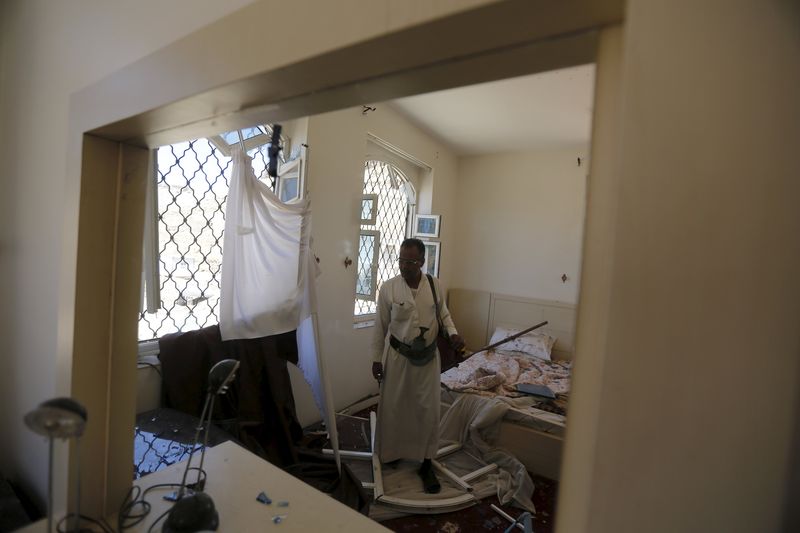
[415, 357]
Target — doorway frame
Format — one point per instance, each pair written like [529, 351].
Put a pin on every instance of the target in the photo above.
[114, 122]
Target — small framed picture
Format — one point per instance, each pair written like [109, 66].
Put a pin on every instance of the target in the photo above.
[426, 226]
[432, 251]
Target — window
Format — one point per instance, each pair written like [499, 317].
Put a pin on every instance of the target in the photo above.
[192, 187]
[368, 258]
[379, 241]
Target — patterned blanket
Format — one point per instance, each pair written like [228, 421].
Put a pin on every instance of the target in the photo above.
[494, 373]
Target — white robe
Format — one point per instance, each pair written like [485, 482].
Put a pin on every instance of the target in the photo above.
[408, 410]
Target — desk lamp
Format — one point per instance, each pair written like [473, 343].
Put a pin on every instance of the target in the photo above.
[196, 511]
[61, 418]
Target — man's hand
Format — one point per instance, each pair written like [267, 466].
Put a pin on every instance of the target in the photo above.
[377, 372]
[457, 342]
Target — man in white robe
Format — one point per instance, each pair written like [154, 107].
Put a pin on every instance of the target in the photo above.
[407, 366]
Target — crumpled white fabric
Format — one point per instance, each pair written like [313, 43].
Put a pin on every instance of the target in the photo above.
[268, 276]
[266, 284]
[474, 421]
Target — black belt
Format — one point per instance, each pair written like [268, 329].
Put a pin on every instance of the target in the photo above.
[415, 357]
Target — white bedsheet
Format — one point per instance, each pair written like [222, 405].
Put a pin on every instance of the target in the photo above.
[475, 423]
[494, 373]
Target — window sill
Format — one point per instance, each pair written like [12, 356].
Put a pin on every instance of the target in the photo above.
[148, 350]
[366, 321]
[146, 361]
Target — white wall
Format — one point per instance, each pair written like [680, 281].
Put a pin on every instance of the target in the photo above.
[596, 271]
[698, 397]
[519, 223]
[48, 50]
[337, 146]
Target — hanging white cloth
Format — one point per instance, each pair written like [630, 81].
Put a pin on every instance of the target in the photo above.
[266, 285]
[269, 276]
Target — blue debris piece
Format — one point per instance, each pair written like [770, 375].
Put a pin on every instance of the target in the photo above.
[277, 519]
[263, 498]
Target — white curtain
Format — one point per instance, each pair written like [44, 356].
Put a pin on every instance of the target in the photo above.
[267, 266]
[269, 274]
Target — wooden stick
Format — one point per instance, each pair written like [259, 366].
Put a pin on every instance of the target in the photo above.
[452, 476]
[352, 454]
[507, 517]
[377, 475]
[447, 450]
[509, 338]
[478, 473]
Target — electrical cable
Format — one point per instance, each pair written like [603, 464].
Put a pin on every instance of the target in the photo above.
[151, 365]
[126, 509]
[129, 516]
[100, 523]
[157, 520]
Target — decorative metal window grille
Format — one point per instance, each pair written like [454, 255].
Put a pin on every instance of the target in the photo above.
[193, 180]
[392, 188]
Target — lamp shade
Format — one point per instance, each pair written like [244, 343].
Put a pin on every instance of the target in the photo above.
[221, 375]
[61, 418]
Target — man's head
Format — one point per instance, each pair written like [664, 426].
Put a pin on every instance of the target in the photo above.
[412, 257]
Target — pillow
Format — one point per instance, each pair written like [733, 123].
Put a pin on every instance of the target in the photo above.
[535, 343]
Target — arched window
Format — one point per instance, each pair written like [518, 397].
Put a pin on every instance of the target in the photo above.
[387, 203]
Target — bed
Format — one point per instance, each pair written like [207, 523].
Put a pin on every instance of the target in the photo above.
[533, 428]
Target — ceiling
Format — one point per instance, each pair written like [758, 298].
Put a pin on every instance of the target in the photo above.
[541, 111]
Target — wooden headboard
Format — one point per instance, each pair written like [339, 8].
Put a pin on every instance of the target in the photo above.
[477, 313]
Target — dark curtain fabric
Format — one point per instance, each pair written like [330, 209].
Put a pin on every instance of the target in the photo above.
[259, 408]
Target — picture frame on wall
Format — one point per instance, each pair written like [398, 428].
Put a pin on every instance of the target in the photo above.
[427, 226]
[432, 254]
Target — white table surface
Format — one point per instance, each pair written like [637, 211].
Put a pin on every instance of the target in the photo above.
[235, 478]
